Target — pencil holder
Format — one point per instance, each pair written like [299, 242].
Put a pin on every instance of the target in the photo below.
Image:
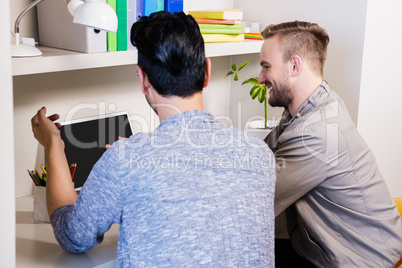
[40, 207]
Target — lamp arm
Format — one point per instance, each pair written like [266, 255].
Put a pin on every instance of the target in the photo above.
[17, 22]
[19, 18]
[26, 10]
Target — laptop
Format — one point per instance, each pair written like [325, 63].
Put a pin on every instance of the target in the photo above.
[85, 140]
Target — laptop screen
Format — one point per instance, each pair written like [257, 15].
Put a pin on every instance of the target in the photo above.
[85, 140]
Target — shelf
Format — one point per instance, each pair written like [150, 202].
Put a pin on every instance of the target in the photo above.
[58, 60]
[231, 49]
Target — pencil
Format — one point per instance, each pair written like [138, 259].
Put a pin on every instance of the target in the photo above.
[38, 174]
[42, 181]
[36, 178]
[43, 169]
[33, 179]
[72, 170]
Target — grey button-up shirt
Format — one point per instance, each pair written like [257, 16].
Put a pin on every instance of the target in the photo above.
[340, 212]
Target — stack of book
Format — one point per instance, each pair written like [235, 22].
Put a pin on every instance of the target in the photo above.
[220, 25]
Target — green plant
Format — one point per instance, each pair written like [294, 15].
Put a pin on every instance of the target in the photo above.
[257, 90]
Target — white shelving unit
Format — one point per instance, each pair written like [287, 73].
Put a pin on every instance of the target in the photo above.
[57, 60]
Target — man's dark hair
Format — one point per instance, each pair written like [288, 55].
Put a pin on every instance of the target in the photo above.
[171, 52]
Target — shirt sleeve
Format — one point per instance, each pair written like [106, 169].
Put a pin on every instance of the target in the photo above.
[79, 227]
[304, 153]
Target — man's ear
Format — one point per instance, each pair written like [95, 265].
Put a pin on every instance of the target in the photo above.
[297, 65]
[143, 80]
[207, 71]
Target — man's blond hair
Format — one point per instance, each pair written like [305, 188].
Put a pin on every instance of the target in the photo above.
[305, 39]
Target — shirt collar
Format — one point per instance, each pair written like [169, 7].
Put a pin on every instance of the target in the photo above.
[310, 103]
[194, 116]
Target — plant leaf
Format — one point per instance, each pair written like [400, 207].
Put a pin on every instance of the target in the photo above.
[236, 78]
[245, 82]
[234, 67]
[252, 90]
[254, 81]
[229, 73]
[256, 92]
[244, 64]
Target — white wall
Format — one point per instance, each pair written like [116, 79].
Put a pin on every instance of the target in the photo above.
[345, 22]
[381, 89]
[7, 200]
[191, 5]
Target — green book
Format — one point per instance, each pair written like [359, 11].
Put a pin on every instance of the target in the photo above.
[111, 38]
[220, 28]
[121, 11]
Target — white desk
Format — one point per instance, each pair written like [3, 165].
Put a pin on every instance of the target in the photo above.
[36, 245]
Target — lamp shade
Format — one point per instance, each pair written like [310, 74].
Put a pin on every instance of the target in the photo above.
[95, 14]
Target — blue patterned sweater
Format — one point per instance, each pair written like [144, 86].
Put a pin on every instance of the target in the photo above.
[192, 193]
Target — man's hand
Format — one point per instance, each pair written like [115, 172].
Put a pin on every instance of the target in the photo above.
[107, 146]
[44, 129]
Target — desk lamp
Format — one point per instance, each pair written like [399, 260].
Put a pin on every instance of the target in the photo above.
[89, 13]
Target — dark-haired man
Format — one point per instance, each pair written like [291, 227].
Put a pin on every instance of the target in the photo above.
[192, 193]
[339, 210]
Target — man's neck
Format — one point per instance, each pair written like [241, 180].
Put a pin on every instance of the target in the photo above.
[167, 106]
[302, 93]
